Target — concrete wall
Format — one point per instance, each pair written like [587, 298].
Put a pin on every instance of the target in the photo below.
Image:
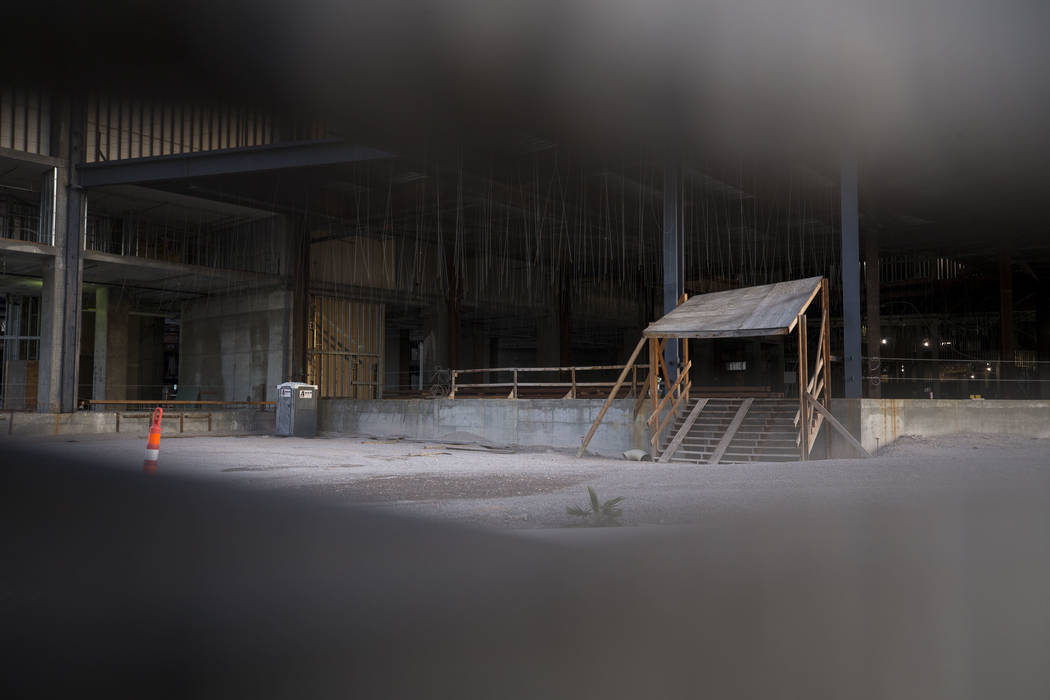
[523, 423]
[234, 348]
[889, 419]
[24, 424]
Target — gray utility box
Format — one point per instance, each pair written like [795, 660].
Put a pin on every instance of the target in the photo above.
[296, 409]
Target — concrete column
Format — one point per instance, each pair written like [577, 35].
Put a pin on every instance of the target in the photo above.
[116, 355]
[49, 369]
[850, 280]
[871, 290]
[98, 374]
[674, 258]
[60, 296]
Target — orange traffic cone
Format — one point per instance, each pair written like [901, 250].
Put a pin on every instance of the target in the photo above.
[149, 466]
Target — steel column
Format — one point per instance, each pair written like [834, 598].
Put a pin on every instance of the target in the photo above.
[850, 281]
[674, 259]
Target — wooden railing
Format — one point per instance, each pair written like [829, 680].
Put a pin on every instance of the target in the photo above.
[164, 403]
[566, 390]
[808, 419]
[679, 390]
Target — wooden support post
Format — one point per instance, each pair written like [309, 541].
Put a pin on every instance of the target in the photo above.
[612, 395]
[654, 371]
[452, 391]
[826, 309]
[634, 381]
[515, 384]
[833, 422]
[675, 389]
[803, 382]
[663, 365]
[572, 373]
[686, 363]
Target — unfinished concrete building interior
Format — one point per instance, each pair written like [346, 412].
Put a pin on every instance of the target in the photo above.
[525, 349]
[155, 251]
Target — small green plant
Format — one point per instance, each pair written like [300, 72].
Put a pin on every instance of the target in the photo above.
[597, 514]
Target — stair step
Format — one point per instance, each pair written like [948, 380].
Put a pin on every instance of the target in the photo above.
[767, 434]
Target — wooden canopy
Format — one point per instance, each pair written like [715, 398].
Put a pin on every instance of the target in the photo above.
[770, 309]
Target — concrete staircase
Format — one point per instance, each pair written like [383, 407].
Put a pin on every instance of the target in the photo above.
[765, 432]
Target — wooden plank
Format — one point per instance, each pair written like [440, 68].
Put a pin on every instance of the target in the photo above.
[820, 385]
[685, 358]
[723, 444]
[654, 371]
[714, 334]
[838, 426]
[671, 413]
[677, 384]
[761, 310]
[683, 431]
[609, 400]
[814, 432]
[660, 356]
[809, 301]
[482, 370]
[803, 361]
[164, 402]
[826, 311]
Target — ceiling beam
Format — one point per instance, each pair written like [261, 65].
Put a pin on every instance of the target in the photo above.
[281, 156]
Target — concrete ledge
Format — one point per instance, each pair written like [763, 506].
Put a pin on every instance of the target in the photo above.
[889, 419]
[25, 424]
[556, 423]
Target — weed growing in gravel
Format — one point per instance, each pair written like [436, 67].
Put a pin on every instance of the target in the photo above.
[597, 514]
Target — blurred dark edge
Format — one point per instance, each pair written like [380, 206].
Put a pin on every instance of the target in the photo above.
[125, 585]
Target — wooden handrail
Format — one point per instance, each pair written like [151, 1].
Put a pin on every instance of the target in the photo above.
[659, 407]
[612, 395]
[678, 439]
[834, 423]
[162, 402]
[589, 368]
[527, 384]
[667, 418]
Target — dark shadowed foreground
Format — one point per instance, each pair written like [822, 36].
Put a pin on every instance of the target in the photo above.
[128, 585]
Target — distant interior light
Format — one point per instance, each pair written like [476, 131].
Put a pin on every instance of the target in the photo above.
[971, 376]
[926, 343]
[884, 341]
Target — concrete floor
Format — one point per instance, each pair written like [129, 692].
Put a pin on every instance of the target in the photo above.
[530, 490]
[922, 573]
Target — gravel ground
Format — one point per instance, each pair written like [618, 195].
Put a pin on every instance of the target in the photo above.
[526, 490]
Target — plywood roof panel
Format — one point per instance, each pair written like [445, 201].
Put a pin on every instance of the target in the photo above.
[769, 309]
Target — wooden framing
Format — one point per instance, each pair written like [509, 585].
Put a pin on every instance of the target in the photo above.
[833, 422]
[777, 309]
[683, 431]
[612, 395]
[734, 426]
[345, 347]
